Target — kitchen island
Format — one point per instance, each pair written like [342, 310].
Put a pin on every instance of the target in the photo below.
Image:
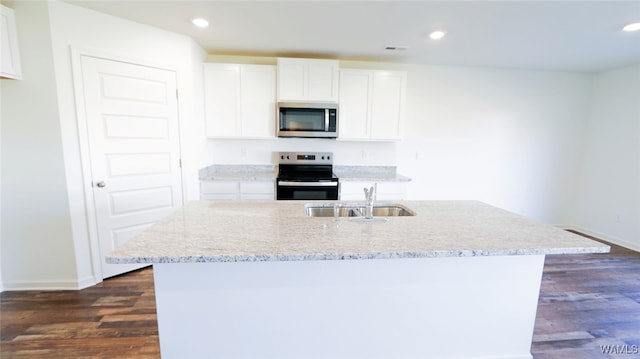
[460, 279]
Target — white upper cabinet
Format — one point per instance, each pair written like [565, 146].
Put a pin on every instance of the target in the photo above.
[240, 100]
[355, 104]
[308, 80]
[371, 104]
[9, 55]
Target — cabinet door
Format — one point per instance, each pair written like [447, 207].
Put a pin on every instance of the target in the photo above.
[9, 55]
[222, 99]
[308, 80]
[387, 104]
[219, 190]
[258, 96]
[291, 80]
[355, 104]
[257, 190]
[322, 80]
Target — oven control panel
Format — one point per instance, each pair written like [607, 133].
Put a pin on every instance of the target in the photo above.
[313, 158]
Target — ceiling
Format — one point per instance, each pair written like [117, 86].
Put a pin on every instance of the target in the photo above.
[549, 35]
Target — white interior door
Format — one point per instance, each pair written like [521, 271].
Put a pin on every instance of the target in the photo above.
[133, 133]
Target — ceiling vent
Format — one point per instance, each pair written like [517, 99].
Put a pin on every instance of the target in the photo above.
[396, 48]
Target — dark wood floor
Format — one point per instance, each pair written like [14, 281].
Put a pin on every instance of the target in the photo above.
[589, 302]
[586, 302]
[114, 319]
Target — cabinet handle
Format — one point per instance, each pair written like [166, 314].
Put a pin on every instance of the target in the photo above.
[101, 184]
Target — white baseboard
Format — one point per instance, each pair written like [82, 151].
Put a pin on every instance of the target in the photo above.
[41, 285]
[604, 237]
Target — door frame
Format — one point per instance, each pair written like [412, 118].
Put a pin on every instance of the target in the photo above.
[84, 143]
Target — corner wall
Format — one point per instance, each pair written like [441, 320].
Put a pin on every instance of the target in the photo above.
[607, 203]
[37, 244]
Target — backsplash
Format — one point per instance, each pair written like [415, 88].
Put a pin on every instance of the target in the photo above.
[237, 151]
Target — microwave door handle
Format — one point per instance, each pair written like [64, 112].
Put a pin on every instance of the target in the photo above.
[326, 120]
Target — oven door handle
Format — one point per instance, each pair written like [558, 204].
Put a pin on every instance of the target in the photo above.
[308, 184]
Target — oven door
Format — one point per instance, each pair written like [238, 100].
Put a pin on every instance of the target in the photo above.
[306, 190]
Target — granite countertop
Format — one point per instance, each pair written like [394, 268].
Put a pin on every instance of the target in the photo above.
[204, 231]
[238, 173]
[369, 173]
[269, 173]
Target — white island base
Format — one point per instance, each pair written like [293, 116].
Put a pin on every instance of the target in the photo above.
[448, 307]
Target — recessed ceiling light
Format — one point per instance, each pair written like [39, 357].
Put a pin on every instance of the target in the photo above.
[437, 35]
[200, 22]
[632, 27]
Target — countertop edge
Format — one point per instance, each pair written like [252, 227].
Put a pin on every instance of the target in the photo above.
[355, 256]
[270, 172]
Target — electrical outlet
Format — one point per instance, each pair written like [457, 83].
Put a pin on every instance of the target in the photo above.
[365, 155]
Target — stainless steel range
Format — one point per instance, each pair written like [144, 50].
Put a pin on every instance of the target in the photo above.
[306, 176]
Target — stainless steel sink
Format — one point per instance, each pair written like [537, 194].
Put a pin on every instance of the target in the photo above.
[357, 210]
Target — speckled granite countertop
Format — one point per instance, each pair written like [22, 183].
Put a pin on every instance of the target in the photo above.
[369, 173]
[269, 173]
[238, 173]
[204, 231]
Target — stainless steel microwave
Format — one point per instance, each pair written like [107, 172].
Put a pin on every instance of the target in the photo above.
[297, 119]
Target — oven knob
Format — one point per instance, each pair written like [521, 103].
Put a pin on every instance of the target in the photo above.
[287, 156]
[328, 157]
[323, 157]
[282, 157]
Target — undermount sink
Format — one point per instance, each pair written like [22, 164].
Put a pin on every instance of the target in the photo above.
[357, 210]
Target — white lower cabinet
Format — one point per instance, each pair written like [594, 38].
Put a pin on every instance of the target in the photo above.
[387, 190]
[237, 190]
[257, 190]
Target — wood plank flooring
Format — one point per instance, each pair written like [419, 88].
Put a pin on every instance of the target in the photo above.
[114, 319]
[586, 302]
[589, 304]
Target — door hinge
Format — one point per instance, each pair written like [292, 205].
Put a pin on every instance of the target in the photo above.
[180, 162]
[177, 94]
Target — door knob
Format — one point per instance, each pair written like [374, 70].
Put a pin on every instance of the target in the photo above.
[101, 184]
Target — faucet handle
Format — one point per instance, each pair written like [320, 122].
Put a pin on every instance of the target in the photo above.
[370, 193]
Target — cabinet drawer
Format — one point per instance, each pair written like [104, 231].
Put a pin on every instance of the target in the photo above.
[218, 197]
[261, 187]
[257, 196]
[226, 187]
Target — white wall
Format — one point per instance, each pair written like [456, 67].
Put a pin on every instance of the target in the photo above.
[608, 200]
[510, 138]
[37, 246]
[45, 223]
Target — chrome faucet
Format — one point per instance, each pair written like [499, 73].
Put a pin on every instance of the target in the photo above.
[370, 196]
